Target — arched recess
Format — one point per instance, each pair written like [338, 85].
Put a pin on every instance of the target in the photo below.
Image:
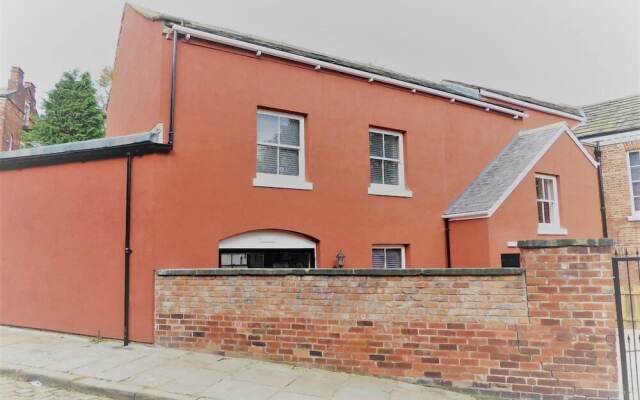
[269, 248]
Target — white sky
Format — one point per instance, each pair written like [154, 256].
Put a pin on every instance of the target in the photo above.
[571, 51]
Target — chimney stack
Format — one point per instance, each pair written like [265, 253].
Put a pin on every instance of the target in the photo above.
[15, 78]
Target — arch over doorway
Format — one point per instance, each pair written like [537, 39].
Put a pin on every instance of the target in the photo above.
[268, 248]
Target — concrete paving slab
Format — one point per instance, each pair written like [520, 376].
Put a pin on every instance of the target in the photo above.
[359, 393]
[263, 376]
[293, 396]
[313, 386]
[230, 389]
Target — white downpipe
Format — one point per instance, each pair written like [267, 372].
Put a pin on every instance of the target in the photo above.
[339, 68]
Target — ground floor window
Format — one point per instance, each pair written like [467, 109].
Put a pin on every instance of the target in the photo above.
[267, 258]
[387, 257]
[268, 248]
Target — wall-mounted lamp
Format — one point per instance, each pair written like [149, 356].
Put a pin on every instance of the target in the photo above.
[340, 257]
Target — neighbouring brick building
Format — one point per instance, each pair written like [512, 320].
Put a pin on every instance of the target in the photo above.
[17, 109]
[615, 126]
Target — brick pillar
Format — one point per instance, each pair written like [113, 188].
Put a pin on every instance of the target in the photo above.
[572, 326]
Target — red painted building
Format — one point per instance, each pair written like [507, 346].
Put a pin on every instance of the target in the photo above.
[273, 156]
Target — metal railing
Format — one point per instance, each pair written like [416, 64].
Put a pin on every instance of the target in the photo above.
[626, 277]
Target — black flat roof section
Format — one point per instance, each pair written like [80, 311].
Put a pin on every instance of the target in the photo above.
[87, 150]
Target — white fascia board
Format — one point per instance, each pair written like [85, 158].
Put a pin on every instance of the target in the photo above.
[510, 100]
[464, 216]
[581, 146]
[339, 68]
[616, 138]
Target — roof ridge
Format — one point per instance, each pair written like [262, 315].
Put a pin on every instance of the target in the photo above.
[554, 105]
[338, 61]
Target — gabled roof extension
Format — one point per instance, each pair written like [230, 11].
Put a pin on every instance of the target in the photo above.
[492, 187]
[518, 99]
[233, 38]
[610, 117]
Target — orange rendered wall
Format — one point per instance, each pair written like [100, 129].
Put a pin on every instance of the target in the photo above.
[469, 240]
[186, 201]
[144, 54]
[61, 247]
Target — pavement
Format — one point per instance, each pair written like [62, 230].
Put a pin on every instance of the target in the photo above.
[11, 388]
[84, 366]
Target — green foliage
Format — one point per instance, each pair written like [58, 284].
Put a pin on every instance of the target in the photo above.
[71, 113]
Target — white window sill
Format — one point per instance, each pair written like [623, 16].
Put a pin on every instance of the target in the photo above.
[281, 182]
[634, 217]
[545, 229]
[389, 190]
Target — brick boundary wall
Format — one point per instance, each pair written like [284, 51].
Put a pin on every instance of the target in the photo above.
[545, 332]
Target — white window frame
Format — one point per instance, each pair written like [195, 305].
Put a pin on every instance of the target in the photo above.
[635, 214]
[381, 189]
[283, 181]
[552, 228]
[393, 247]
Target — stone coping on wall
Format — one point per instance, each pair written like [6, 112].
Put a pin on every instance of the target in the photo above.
[540, 244]
[339, 272]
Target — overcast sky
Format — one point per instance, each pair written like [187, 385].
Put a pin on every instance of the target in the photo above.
[571, 51]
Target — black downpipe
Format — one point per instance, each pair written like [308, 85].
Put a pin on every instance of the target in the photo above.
[172, 100]
[127, 227]
[447, 242]
[127, 248]
[603, 208]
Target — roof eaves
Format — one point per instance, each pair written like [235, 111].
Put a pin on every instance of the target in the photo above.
[337, 61]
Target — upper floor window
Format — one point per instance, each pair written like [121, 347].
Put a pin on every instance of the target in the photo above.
[634, 180]
[387, 257]
[386, 163]
[280, 151]
[548, 209]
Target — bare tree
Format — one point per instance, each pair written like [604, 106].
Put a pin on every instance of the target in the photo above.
[104, 84]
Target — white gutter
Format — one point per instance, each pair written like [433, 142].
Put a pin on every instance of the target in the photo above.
[506, 99]
[467, 215]
[318, 64]
[615, 138]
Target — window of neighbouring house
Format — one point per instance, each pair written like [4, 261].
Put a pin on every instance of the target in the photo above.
[280, 151]
[548, 208]
[634, 181]
[387, 257]
[386, 163]
[267, 249]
